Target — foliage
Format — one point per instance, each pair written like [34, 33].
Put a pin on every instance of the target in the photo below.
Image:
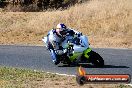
[2, 3]
[41, 5]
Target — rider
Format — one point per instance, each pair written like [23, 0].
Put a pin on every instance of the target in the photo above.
[57, 36]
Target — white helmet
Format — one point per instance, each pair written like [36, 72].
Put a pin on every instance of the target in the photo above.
[61, 29]
[61, 26]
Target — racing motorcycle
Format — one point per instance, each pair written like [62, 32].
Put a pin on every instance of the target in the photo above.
[70, 54]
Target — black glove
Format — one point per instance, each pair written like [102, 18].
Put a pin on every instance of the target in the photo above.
[71, 33]
[76, 41]
[62, 39]
[60, 48]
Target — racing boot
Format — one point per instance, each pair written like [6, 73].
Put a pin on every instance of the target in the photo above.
[54, 57]
[56, 62]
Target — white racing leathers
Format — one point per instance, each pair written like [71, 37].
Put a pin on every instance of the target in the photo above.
[52, 38]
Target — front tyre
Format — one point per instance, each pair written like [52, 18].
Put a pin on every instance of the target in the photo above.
[96, 59]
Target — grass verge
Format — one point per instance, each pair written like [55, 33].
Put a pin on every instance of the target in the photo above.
[26, 78]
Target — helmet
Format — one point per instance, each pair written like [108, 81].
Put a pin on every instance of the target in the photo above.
[61, 29]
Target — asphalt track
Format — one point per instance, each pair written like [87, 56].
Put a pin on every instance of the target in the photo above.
[117, 61]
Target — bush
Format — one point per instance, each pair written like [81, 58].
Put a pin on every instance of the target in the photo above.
[40, 5]
[45, 4]
[3, 3]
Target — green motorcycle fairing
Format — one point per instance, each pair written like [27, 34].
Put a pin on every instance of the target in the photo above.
[74, 56]
[85, 53]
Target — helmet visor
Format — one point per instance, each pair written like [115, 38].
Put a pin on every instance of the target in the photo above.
[64, 32]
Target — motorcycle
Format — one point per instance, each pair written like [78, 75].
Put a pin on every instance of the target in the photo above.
[70, 54]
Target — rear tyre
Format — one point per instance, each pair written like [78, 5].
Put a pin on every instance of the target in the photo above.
[96, 59]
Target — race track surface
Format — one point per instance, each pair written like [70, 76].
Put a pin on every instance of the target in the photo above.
[117, 61]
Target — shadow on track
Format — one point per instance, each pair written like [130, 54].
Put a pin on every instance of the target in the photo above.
[92, 66]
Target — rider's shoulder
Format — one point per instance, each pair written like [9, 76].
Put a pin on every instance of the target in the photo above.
[52, 31]
[70, 28]
[76, 32]
[73, 30]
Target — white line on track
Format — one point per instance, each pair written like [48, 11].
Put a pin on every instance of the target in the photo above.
[61, 74]
[55, 73]
[129, 84]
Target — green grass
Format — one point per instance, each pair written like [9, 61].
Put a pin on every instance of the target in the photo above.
[19, 78]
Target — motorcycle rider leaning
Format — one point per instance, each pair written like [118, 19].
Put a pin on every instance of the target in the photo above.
[57, 36]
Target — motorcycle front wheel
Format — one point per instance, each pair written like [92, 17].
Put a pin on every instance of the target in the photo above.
[96, 59]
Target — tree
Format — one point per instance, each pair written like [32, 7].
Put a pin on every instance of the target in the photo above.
[3, 3]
